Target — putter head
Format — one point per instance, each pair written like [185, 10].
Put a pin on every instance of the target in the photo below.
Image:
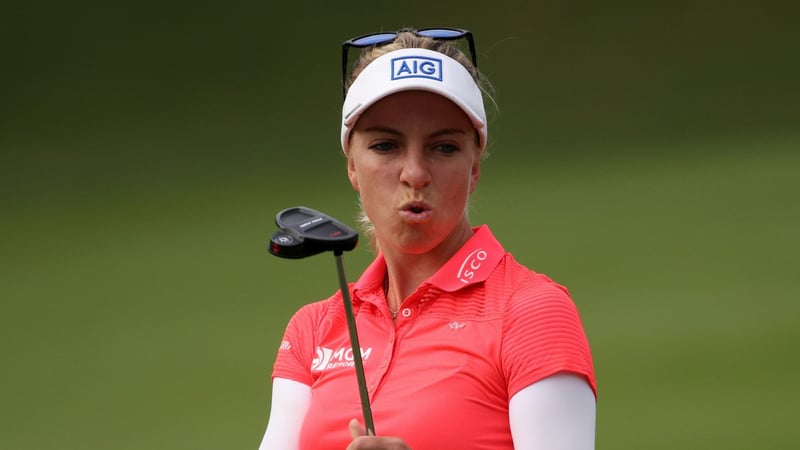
[304, 232]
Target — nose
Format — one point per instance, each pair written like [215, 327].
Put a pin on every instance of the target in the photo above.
[415, 172]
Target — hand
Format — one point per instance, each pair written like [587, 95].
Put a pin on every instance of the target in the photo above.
[362, 441]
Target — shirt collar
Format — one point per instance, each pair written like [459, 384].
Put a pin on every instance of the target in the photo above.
[472, 263]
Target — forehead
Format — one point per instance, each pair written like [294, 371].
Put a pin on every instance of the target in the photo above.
[415, 106]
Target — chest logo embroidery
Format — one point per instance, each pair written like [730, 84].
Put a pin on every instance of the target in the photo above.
[327, 358]
[455, 325]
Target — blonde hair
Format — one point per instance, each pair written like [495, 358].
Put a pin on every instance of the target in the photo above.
[403, 40]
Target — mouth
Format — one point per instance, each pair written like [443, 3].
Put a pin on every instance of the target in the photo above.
[416, 212]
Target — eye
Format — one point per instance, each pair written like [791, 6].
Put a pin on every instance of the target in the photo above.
[446, 148]
[383, 146]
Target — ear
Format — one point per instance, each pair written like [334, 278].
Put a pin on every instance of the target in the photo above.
[476, 174]
[351, 172]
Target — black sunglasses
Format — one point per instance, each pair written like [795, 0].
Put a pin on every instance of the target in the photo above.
[383, 38]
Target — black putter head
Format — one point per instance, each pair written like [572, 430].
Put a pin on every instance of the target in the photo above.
[305, 232]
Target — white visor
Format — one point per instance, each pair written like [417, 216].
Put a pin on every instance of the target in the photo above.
[414, 69]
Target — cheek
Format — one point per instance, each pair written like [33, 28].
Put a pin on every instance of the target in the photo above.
[369, 180]
[369, 187]
[461, 183]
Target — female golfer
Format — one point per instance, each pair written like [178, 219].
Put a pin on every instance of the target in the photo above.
[462, 346]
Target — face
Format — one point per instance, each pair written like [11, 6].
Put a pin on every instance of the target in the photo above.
[414, 159]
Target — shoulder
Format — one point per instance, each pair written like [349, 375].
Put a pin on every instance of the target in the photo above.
[534, 301]
[314, 315]
[542, 313]
[523, 288]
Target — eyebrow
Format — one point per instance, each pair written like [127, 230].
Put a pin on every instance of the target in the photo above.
[438, 133]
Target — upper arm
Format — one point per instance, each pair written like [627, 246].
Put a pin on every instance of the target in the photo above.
[290, 402]
[555, 413]
[543, 335]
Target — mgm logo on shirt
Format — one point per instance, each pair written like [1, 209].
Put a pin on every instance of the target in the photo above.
[331, 359]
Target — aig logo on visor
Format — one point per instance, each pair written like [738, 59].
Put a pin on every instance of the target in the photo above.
[416, 67]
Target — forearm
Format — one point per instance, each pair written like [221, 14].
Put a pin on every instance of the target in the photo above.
[290, 401]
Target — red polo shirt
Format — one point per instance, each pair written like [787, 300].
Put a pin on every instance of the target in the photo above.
[479, 330]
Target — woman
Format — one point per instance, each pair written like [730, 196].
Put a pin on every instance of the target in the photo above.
[463, 347]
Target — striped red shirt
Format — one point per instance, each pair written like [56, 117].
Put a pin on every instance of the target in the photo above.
[479, 330]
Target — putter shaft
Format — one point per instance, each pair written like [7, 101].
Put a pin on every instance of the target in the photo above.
[351, 326]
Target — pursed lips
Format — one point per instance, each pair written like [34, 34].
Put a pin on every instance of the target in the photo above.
[416, 211]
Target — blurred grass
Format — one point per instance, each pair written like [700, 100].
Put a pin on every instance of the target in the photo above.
[155, 317]
[682, 269]
[644, 155]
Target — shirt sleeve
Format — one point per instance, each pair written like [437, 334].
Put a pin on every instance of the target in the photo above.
[297, 349]
[543, 335]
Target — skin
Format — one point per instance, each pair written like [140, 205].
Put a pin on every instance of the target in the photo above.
[415, 149]
[363, 441]
[414, 159]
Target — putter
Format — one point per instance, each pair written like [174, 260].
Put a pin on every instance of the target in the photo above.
[304, 232]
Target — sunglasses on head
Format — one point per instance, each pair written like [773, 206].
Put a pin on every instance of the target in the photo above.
[383, 38]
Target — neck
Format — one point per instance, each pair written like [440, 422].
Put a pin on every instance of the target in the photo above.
[407, 271]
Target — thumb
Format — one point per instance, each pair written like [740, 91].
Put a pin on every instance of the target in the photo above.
[356, 430]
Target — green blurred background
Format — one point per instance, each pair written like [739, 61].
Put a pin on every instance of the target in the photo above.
[645, 154]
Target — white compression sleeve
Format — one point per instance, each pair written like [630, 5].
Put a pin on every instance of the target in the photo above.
[556, 413]
[290, 401]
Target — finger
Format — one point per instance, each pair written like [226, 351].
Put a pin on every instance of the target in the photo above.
[356, 430]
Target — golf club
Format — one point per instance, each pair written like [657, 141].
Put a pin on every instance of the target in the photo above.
[304, 232]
